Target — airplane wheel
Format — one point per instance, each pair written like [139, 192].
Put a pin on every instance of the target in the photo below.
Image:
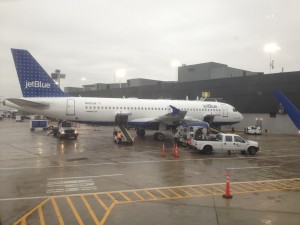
[140, 132]
[159, 136]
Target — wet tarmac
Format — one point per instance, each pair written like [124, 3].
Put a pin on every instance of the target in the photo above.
[91, 180]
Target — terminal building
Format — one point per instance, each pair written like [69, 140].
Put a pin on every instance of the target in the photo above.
[250, 92]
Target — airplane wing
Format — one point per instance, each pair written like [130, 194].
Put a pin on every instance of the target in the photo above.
[27, 103]
[289, 107]
[175, 116]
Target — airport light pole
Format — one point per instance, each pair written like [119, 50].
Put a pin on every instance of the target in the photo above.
[271, 49]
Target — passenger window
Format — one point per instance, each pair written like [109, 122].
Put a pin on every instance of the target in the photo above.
[228, 138]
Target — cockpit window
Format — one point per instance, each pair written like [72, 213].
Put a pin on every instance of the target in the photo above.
[233, 109]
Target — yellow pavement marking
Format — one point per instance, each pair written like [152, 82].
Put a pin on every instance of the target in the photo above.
[74, 211]
[42, 220]
[90, 209]
[200, 193]
[235, 186]
[101, 202]
[209, 191]
[112, 197]
[153, 197]
[188, 194]
[259, 186]
[58, 214]
[23, 218]
[138, 195]
[156, 194]
[107, 214]
[243, 185]
[218, 190]
[175, 193]
[126, 197]
[162, 193]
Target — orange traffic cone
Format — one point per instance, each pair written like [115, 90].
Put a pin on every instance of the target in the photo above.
[175, 150]
[163, 152]
[227, 192]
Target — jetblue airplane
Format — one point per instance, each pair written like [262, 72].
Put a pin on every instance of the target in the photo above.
[42, 96]
[290, 108]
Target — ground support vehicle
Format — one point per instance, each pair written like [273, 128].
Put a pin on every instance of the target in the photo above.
[122, 136]
[40, 123]
[225, 142]
[252, 130]
[65, 129]
[184, 134]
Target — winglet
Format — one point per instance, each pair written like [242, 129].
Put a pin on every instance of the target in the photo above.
[34, 80]
[289, 107]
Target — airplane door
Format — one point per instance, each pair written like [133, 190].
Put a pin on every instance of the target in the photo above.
[70, 107]
[225, 110]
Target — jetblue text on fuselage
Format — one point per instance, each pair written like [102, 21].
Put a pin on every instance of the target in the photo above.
[210, 106]
[36, 84]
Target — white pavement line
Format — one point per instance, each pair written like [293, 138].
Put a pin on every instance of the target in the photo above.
[154, 161]
[258, 167]
[66, 178]
[190, 171]
[282, 149]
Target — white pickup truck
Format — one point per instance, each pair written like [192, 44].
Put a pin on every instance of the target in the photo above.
[226, 142]
[252, 130]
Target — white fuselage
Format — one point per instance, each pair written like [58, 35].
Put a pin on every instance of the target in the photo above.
[104, 110]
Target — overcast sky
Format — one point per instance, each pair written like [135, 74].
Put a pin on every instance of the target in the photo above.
[93, 38]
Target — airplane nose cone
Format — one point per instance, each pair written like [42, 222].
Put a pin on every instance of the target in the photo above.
[241, 116]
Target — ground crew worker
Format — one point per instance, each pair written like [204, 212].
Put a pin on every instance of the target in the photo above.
[119, 136]
[188, 142]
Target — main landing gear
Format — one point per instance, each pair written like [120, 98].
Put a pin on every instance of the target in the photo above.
[157, 136]
[140, 132]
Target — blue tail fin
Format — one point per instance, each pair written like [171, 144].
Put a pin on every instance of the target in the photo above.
[34, 80]
[289, 107]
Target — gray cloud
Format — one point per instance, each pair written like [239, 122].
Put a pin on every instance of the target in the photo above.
[94, 38]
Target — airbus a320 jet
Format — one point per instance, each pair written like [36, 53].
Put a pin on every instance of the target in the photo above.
[42, 96]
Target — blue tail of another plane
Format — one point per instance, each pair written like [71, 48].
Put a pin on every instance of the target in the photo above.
[289, 107]
[34, 80]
